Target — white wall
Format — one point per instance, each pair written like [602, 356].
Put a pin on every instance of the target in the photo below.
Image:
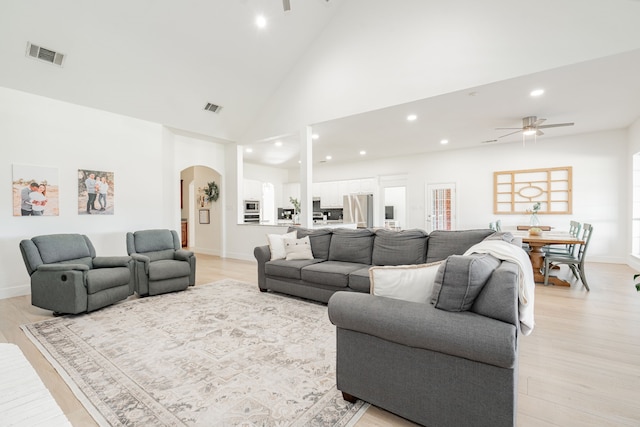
[600, 183]
[143, 156]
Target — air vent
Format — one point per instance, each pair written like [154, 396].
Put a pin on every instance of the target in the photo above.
[212, 107]
[46, 55]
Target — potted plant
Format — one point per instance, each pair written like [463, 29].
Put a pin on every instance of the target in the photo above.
[296, 209]
[635, 277]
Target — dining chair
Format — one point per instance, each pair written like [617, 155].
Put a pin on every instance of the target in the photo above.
[575, 262]
[574, 231]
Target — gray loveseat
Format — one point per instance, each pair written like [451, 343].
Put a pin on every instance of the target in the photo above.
[342, 258]
[429, 365]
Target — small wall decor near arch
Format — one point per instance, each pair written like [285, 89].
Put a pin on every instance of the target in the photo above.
[515, 192]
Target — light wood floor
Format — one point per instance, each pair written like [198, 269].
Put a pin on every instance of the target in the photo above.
[579, 367]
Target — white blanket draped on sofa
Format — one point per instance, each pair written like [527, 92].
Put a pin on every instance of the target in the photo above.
[526, 284]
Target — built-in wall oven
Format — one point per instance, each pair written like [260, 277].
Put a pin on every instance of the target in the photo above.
[251, 206]
[251, 211]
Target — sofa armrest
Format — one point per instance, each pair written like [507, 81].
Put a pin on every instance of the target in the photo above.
[262, 254]
[182, 255]
[140, 258]
[462, 334]
[62, 267]
[111, 261]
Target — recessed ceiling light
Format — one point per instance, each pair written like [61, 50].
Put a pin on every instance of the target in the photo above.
[328, 157]
[278, 143]
[249, 150]
[444, 141]
[261, 21]
[537, 92]
[362, 152]
[412, 117]
[315, 136]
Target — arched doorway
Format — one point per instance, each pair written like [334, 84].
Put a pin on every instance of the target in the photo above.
[203, 220]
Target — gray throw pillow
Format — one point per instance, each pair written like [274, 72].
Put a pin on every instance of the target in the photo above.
[501, 235]
[460, 280]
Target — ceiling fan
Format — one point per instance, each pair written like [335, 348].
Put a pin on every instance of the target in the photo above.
[531, 125]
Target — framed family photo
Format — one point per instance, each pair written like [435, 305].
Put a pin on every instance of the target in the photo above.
[95, 192]
[35, 191]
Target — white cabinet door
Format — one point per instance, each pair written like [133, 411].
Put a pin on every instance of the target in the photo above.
[368, 185]
[252, 189]
[291, 189]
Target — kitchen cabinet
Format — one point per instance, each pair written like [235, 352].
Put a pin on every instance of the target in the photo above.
[252, 190]
[330, 196]
[291, 189]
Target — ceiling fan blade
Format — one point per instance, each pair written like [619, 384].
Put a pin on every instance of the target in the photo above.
[556, 125]
[286, 5]
[539, 132]
[506, 128]
[518, 131]
[538, 122]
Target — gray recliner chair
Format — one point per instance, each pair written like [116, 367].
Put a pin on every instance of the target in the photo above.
[68, 278]
[161, 265]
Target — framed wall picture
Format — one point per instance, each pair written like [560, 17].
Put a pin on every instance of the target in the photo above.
[204, 216]
[95, 192]
[35, 191]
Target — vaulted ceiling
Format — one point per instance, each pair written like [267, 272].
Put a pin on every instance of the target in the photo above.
[353, 69]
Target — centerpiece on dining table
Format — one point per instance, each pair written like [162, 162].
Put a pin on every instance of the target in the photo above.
[534, 221]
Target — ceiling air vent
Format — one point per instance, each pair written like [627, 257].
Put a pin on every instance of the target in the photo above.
[212, 107]
[45, 55]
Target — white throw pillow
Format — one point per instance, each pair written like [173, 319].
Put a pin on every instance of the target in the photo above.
[298, 248]
[276, 244]
[405, 282]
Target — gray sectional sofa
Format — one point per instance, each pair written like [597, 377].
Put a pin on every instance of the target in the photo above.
[342, 258]
[433, 366]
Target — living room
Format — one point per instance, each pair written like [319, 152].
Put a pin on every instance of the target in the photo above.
[148, 155]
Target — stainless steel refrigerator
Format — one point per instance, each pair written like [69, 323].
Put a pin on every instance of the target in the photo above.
[358, 209]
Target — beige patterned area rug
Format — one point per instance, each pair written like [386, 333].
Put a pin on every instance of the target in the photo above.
[222, 354]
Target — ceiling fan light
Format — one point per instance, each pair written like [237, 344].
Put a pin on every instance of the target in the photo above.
[529, 132]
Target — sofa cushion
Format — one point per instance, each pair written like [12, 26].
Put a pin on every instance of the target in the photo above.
[168, 269]
[405, 282]
[287, 269]
[399, 247]
[276, 244]
[320, 240]
[330, 273]
[100, 279]
[443, 243]
[153, 240]
[359, 280]
[349, 245]
[63, 247]
[298, 249]
[460, 279]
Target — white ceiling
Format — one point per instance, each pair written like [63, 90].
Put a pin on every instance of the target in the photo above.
[163, 60]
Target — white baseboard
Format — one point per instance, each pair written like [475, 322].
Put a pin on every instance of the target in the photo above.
[240, 255]
[15, 291]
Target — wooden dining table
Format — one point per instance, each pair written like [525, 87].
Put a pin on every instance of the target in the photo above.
[536, 254]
